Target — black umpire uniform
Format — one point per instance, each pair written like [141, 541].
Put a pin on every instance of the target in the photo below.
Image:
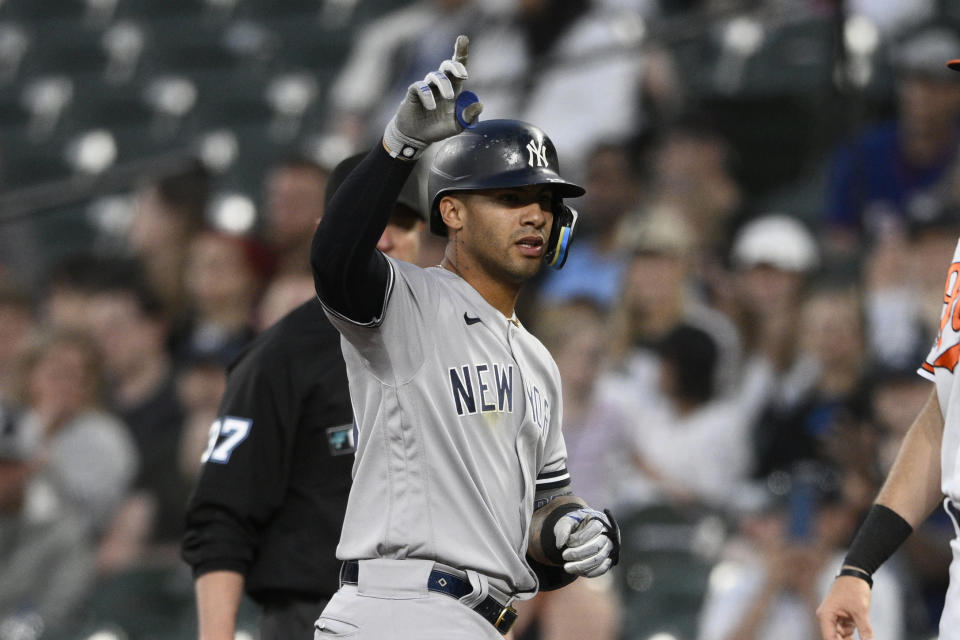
[271, 495]
[270, 506]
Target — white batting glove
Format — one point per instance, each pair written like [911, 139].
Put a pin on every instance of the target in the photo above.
[590, 542]
[433, 108]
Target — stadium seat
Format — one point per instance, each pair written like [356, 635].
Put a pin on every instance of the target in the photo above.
[151, 604]
[776, 136]
[179, 45]
[27, 160]
[35, 11]
[65, 46]
[235, 97]
[306, 9]
[309, 44]
[150, 10]
[47, 99]
[251, 43]
[15, 44]
[665, 564]
[13, 114]
[795, 59]
[99, 103]
[123, 44]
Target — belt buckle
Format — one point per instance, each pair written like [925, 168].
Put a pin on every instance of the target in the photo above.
[508, 615]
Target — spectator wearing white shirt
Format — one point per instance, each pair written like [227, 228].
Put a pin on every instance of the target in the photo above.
[691, 446]
[774, 573]
[88, 460]
[658, 294]
[48, 562]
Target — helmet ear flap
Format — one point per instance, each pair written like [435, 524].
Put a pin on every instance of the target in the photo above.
[561, 235]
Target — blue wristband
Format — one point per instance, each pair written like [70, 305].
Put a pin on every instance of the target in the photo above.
[464, 100]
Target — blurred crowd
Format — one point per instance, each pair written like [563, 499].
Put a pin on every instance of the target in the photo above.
[736, 378]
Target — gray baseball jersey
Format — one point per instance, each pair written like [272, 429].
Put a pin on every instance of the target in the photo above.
[459, 413]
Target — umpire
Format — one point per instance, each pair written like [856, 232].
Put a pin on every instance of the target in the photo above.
[266, 513]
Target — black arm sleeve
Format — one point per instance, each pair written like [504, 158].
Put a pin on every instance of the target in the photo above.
[350, 275]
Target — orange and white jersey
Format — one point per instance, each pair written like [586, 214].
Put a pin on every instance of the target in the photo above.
[939, 368]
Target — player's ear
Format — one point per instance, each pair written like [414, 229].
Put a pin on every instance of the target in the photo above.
[452, 212]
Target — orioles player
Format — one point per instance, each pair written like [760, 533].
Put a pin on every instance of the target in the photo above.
[926, 470]
[461, 501]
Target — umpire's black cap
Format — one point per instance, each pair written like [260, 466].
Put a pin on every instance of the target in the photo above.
[409, 196]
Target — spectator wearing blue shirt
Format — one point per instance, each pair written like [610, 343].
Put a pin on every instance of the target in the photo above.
[889, 174]
[596, 268]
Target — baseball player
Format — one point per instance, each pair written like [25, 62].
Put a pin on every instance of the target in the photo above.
[266, 512]
[461, 502]
[926, 470]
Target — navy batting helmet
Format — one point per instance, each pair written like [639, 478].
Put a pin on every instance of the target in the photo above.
[497, 154]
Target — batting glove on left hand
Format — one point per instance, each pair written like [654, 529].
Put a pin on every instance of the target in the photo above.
[434, 108]
[590, 541]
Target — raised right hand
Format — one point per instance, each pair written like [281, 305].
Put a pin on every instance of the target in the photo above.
[846, 609]
[432, 109]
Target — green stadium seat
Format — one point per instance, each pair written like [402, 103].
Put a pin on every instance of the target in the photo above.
[152, 604]
[98, 103]
[775, 135]
[27, 161]
[149, 10]
[310, 45]
[64, 45]
[232, 98]
[183, 45]
[270, 9]
[664, 569]
[42, 10]
[15, 47]
[12, 113]
[795, 59]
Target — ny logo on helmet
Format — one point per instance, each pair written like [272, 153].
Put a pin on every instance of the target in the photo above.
[537, 151]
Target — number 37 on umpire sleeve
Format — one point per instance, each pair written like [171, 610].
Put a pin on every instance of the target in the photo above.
[226, 434]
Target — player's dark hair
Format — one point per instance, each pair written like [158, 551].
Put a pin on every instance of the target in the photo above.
[632, 151]
[700, 125]
[297, 160]
[543, 25]
[126, 276]
[693, 355]
[185, 192]
[555, 325]
[50, 339]
[76, 271]
[13, 295]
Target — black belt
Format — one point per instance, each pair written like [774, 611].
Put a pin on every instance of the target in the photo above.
[500, 616]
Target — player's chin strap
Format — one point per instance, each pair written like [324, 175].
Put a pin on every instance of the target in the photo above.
[561, 236]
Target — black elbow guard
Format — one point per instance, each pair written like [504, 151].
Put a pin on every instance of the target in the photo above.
[550, 577]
